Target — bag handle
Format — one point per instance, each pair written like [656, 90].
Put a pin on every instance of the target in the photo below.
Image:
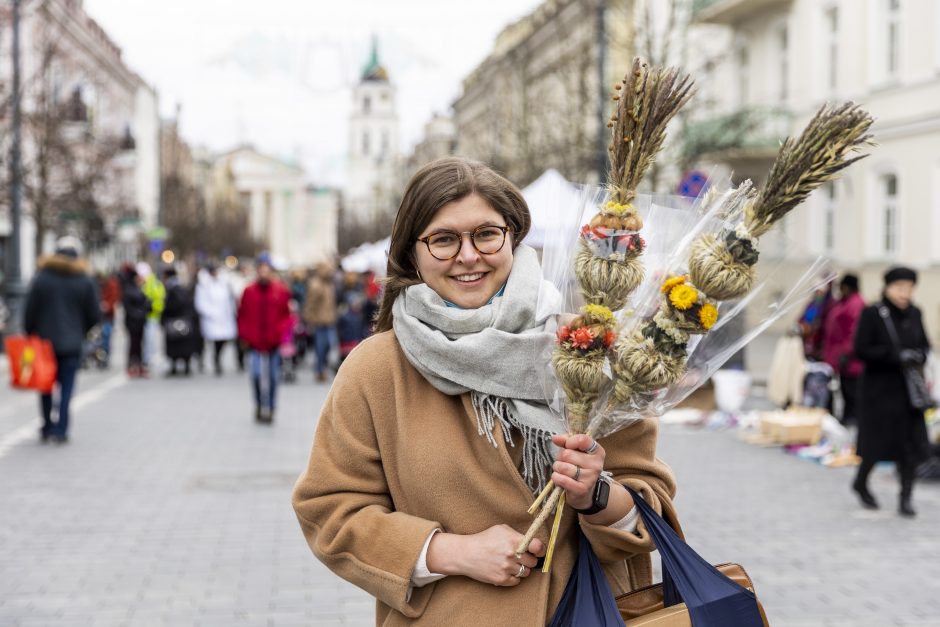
[712, 599]
[889, 324]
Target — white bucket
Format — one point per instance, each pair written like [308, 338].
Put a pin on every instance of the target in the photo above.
[731, 389]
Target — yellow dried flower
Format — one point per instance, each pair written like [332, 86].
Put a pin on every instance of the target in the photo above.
[619, 209]
[708, 315]
[683, 296]
[671, 283]
[598, 312]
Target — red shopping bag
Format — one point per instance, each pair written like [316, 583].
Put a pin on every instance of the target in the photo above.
[32, 362]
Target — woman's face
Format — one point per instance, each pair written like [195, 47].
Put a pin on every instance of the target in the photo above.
[900, 293]
[470, 279]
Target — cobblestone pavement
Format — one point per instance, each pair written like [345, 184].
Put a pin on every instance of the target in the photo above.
[171, 507]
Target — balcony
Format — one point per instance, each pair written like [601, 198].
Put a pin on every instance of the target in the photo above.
[730, 12]
[747, 135]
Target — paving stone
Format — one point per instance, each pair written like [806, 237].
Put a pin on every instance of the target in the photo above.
[172, 507]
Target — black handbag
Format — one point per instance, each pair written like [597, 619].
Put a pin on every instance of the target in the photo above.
[177, 329]
[917, 392]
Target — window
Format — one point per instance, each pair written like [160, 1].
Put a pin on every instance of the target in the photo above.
[784, 55]
[366, 104]
[831, 51]
[385, 142]
[889, 191]
[365, 142]
[744, 63]
[892, 34]
[829, 213]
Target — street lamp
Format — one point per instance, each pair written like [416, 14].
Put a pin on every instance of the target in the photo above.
[13, 282]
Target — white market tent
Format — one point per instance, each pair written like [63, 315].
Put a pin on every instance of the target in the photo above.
[370, 256]
[544, 195]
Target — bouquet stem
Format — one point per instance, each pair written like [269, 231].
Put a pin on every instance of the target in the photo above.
[547, 564]
[541, 497]
[553, 500]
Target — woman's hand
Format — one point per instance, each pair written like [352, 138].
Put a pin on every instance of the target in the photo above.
[488, 556]
[579, 493]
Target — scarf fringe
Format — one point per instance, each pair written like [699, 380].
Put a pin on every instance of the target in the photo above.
[537, 457]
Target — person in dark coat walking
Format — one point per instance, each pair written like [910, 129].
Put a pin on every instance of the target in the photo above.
[61, 306]
[889, 428]
[179, 324]
[136, 307]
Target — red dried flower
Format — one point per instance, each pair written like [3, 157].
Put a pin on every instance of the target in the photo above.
[609, 338]
[582, 338]
[563, 333]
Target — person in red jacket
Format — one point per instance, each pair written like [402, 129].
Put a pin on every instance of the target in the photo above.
[263, 316]
[838, 334]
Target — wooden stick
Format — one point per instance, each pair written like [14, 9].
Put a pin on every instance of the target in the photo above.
[547, 564]
[541, 497]
[537, 523]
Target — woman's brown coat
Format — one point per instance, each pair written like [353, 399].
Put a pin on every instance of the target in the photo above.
[393, 459]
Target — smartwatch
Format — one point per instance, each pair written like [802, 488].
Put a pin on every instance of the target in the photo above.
[600, 497]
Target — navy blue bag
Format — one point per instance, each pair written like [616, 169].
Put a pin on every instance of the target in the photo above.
[588, 599]
[712, 599]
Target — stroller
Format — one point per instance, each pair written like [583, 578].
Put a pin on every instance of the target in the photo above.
[292, 349]
[93, 350]
[819, 384]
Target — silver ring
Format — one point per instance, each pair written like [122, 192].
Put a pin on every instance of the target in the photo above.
[592, 448]
[521, 571]
[577, 472]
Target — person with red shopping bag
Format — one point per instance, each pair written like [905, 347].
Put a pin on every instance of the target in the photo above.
[61, 307]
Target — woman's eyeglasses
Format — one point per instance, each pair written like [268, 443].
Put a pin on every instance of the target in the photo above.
[445, 245]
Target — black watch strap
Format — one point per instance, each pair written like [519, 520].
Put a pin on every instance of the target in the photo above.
[599, 503]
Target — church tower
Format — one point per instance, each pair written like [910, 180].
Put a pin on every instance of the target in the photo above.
[373, 144]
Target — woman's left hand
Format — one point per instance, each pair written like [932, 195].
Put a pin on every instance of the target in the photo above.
[579, 493]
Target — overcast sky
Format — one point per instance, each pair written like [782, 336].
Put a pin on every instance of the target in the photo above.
[279, 73]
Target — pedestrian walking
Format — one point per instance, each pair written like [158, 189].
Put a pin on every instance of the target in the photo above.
[136, 310]
[61, 306]
[179, 324]
[110, 289]
[215, 302]
[239, 281]
[838, 335]
[263, 316]
[429, 450]
[156, 294]
[319, 313]
[890, 338]
[811, 322]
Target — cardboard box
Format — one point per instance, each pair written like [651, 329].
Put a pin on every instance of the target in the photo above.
[797, 425]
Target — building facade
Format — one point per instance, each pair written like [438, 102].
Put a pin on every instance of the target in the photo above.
[439, 140]
[297, 226]
[90, 132]
[783, 59]
[540, 99]
[374, 155]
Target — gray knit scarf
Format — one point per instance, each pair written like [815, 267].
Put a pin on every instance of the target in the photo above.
[497, 352]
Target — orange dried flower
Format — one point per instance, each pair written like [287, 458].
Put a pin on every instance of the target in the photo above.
[582, 338]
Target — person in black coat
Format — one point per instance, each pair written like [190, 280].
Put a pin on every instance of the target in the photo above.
[179, 323]
[136, 307]
[889, 428]
[61, 306]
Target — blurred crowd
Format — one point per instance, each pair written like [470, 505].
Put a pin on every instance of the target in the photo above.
[195, 316]
[273, 322]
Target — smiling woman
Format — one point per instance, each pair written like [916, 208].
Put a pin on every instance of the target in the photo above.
[436, 435]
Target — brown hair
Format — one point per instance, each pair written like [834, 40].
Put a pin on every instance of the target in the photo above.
[433, 186]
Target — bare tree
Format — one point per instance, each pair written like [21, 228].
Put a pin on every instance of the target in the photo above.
[69, 176]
